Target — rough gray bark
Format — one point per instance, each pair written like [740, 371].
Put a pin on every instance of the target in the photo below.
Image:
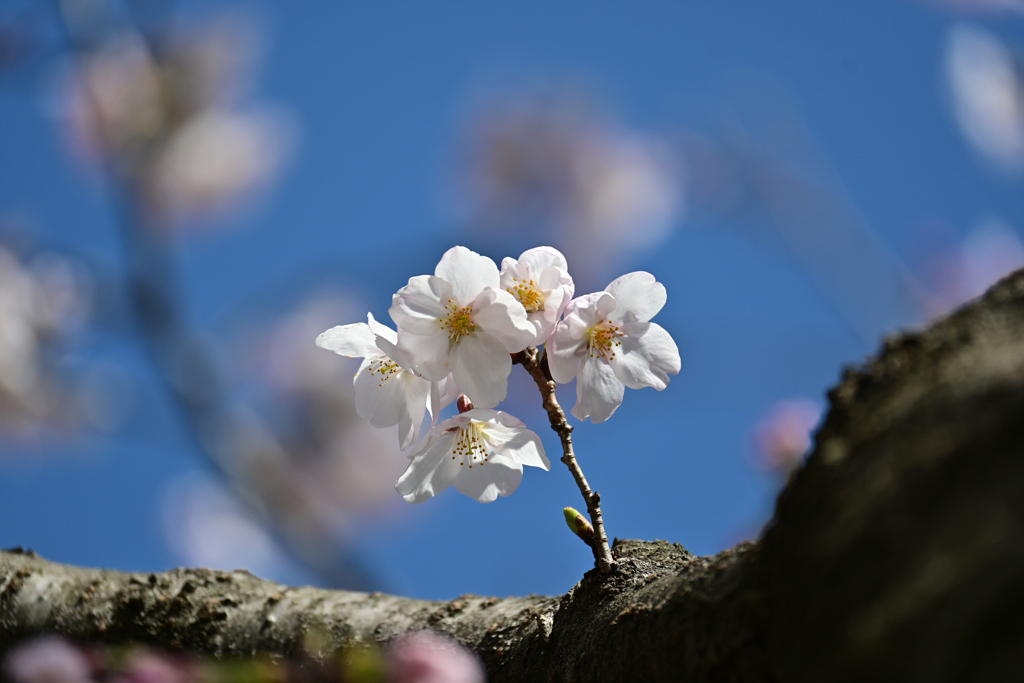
[895, 554]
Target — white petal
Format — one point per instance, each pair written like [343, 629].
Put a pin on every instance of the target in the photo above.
[416, 394]
[647, 356]
[481, 366]
[468, 272]
[567, 347]
[487, 415]
[381, 330]
[389, 408]
[391, 350]
[638, 295]
[371, 394]
[355, 341]
[598, 391]
[560, 287]
[427, 355]
[486, 482]
[590, 309]
[432, 469]
[518, 444]
[449, 391]
[419, 307]
[497, 313]
[434, 403]
[539, 258]
[566, 352]
[510, 269]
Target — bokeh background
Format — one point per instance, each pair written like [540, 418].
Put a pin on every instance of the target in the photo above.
[191, 191]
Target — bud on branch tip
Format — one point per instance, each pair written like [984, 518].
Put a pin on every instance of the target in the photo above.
[579, 525]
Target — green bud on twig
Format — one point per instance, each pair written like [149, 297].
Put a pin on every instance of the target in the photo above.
[579, 525]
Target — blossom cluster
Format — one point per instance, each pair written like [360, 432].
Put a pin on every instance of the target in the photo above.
[456, 332]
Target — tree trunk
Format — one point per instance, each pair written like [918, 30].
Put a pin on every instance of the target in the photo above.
[896, 553]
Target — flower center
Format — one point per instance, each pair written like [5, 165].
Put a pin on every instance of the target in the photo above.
[603, 338]
[384, 368]
[528, 294]
[459, 321]
[470, 447]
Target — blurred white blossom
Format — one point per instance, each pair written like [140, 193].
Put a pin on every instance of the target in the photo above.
[984, 78]
[171, 121]
[982, 5]
[308, 457]
[213, 158]
[42, 301]
[114, 101]
[207, 527]
[558, 172]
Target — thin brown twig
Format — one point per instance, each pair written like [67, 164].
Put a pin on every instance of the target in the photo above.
[530, 359]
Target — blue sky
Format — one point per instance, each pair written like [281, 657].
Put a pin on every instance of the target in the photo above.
[379, 92]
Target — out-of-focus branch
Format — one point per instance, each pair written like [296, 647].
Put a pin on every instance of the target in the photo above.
[190, 375]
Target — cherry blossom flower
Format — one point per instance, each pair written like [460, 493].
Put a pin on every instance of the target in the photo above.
[608, 343]
[540, 281]
[481, 452]
[387, 392]
[460, 321]
[428, 657]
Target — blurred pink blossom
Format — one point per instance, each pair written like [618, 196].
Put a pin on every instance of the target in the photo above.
[48, 659]
[148, 666]
[964, 271]
[428, 657]
[783, 437]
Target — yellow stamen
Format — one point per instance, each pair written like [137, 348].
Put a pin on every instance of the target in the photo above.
[385, 368]
[528, 294]
[603, 338]
[459, 321]
[470, 447]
